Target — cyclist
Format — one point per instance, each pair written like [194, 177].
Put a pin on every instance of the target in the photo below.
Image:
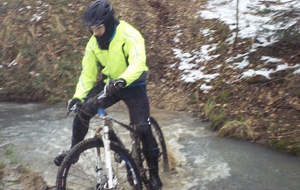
[117, 50]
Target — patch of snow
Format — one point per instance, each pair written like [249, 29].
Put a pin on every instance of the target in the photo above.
[256, 21]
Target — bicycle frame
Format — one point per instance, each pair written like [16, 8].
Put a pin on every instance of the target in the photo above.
[135, 143]
[107, 133]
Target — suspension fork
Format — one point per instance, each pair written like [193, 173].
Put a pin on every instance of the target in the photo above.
[107, 154]
[104, 181]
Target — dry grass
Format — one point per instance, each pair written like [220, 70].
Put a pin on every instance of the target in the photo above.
[40, 57]
[237, 129]
[224, 127]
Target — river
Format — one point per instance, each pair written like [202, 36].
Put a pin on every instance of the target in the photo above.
[202, 161]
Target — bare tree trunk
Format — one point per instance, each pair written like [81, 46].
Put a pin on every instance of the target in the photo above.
[237, 23]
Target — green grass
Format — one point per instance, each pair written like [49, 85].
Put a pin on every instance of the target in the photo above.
[2, 166]
[289, 145]
[9, 153]
[224, 95]
[215, 115]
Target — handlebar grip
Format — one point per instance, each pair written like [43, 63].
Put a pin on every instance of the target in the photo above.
[119, 84]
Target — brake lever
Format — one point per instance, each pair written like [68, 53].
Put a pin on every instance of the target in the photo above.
[68, 112]
[102, 94]
[72, 109]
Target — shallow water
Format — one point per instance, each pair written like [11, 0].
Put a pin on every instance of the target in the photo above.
[201, 161]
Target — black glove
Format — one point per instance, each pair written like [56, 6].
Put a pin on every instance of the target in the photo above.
[71, 103]
[114, 86]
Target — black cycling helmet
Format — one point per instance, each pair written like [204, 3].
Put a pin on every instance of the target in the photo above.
[97, 13]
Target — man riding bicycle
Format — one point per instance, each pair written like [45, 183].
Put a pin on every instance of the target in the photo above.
[117, 50]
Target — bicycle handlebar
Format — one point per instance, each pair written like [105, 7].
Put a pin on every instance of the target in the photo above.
[101, 95]
[98, 97]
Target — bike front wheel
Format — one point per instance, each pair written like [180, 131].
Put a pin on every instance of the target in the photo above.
[84, 167]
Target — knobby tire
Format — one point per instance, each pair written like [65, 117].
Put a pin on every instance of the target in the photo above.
[163, 154]
[78, 169]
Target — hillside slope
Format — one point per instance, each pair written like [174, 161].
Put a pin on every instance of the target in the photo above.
[43, 42]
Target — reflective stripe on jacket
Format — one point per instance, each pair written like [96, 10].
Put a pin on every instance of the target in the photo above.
[125, 58]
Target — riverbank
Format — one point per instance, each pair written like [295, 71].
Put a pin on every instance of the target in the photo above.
[259, 109]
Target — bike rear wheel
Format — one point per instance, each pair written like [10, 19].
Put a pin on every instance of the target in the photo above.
[78, 169]
[163, 159]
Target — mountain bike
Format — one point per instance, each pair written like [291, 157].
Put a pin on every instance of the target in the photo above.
[105, 162]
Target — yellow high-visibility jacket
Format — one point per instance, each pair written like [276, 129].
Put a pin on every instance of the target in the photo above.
[125, 58]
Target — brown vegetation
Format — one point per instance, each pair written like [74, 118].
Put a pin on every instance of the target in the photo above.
[42, 43]
[41, 59]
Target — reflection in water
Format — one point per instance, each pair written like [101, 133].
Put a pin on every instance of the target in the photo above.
[200, 160]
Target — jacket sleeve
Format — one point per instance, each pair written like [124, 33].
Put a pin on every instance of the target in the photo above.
[88, 74]
[136, 53]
